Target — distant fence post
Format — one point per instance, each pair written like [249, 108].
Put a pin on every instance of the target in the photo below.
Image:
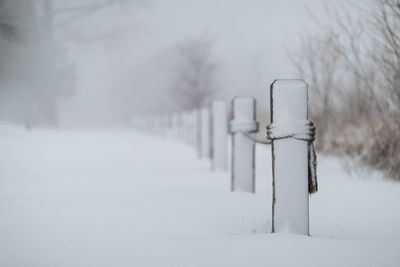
[174, 125]
[197, 124]
[219, 125]
[205, 133]
[243, 148]
[292, 135]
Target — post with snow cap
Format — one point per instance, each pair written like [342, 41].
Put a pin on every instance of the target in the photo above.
[205, 142]
[197, 128]
[219, 125]
[242, 125]
[293, 157]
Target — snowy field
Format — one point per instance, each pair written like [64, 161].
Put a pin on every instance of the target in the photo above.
[121, 198]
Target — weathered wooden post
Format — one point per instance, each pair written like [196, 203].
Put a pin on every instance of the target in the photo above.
[292, 135]
[243, 123]
[219, 125]
[205, 133]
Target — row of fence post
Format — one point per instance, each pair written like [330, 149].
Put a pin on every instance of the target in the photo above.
[290, 135]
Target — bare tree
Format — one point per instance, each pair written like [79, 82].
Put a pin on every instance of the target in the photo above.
[34, 74]
[195, 80]
[385, 26]
[319, 64]
[365, 52]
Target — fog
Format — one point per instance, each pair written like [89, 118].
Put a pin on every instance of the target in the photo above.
[118, 58]
[139, 133]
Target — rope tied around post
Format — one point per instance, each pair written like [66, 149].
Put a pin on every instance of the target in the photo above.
[246, 128]
[302, 131]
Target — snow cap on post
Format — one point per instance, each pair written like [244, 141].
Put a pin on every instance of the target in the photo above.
[291, 134]
[244, 115]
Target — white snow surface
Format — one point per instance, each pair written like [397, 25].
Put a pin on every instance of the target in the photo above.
[122, 198]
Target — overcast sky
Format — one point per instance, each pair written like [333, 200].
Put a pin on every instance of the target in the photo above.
[125, 53]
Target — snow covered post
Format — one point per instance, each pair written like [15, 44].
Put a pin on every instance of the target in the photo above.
[205, 133]
[292, 135]
[175, 125]
[196, 130]
[242, 124]
[219, 125]
[186, 128]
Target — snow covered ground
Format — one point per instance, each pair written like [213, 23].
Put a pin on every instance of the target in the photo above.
[121, 198]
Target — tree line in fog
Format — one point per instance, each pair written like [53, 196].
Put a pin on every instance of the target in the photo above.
[353, 70]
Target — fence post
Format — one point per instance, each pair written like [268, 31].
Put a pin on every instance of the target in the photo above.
[219, 134]
[289, 112]
[205, 133]
[174, 125]
[197, 133]
[243, 148]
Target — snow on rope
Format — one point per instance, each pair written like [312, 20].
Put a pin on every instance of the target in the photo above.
[303, 130]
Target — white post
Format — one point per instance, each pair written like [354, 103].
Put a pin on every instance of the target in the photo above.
[219, 123]
[289, 158]
[186, 127]
[193, 127]
[243, 148]
[197, 133]
[205, 133]
[174, 125]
